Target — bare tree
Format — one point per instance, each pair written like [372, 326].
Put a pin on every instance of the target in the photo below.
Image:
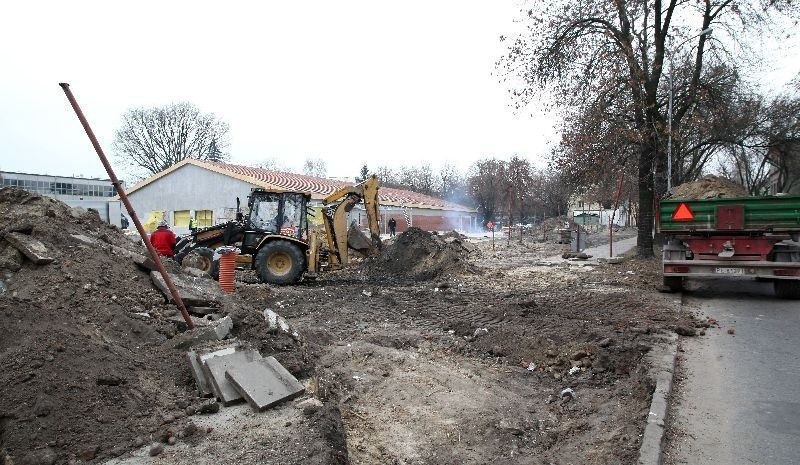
[315, 167]
[386, 175]
[452, 185]
[609, 55]
[555, 192]
[488, 186]
[153, 139]
[520, 187]
[783, 132]
[763, 151]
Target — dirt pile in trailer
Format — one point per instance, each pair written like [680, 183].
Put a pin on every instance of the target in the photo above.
[708, 187]
[419, 255]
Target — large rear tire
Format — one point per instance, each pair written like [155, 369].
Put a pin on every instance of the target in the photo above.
[201, 258]
[280, 262]
[787, 288]
[674, 283]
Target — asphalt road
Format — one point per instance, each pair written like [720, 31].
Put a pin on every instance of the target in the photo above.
[740, 400]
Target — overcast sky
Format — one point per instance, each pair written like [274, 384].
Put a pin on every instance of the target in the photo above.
[381, 83]
[351, 82]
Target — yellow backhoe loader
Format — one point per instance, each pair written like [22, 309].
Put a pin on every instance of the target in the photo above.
[275, 237]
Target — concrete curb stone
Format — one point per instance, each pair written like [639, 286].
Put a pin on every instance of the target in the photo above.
[662, 359]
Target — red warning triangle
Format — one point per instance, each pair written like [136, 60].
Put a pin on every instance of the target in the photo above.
[683, 213]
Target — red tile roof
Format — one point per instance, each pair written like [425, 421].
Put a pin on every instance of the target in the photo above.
[321, 187]
[317, 187]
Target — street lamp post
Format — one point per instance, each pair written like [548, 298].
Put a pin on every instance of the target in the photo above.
[669, 104]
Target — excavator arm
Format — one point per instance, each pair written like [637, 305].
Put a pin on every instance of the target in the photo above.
[337, 205]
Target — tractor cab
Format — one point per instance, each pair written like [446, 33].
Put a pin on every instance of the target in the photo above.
[271, 213]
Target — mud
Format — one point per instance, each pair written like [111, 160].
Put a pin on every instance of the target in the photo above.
[458, 358]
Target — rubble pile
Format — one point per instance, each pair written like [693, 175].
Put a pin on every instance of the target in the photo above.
[421, 256]
[93, 360]
[708, 187]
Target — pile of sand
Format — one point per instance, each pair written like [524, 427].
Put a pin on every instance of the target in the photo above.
[708, 187]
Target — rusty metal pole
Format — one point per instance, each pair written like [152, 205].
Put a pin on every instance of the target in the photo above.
[153, 254]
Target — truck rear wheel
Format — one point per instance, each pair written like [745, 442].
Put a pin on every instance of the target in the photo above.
[787, 288]
[280, 262]
[674, 283]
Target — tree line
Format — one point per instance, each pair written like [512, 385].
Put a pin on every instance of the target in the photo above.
[629, 77]
[511, 190]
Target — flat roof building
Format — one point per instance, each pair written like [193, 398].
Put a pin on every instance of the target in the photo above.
[94, 193]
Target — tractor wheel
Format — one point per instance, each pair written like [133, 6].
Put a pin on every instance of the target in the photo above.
[201, 258]
[280, 262]
[787, 288]
[674, 283]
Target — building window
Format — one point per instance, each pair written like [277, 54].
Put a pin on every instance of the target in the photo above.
[181, 218]
[205, 218]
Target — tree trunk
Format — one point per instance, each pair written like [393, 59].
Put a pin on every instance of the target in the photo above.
[644, 240]
[660, 183]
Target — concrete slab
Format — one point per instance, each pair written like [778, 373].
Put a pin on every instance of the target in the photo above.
[197, 373]
[144, 262]
[34, 250]
[264, 383]
[212, 331]
[215, 368]
[194, 291]
[197, 359]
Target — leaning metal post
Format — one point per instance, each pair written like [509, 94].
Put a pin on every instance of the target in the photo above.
[153, 254]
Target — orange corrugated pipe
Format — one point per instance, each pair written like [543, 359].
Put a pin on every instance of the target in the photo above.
[227, 269]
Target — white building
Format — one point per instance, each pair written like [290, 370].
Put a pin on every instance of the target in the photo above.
[94, 193]
[208, 191]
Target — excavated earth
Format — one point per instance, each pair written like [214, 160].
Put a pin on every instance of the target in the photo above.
[442, 350]
[708, 187]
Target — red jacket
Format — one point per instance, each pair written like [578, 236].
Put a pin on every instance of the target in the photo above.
[164, 241]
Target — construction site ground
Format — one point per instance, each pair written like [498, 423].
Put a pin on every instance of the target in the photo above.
[442, 350]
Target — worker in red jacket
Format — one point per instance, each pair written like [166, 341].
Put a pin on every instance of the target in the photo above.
[163, 239]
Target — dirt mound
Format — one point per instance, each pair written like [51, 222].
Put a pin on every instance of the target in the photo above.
[87, 368]
[420, 256]
[708, 187]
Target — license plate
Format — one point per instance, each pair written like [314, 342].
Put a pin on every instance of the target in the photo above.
[728, 271]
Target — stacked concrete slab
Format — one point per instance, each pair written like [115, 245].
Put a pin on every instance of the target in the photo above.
[232, 374]
[264, 383]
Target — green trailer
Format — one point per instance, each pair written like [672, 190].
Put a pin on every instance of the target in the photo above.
[756, 237]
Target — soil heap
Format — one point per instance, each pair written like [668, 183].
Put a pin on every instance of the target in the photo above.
[420, 256]
[708, 187]
[87, 368]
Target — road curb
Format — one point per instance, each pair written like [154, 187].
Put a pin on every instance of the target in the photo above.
[662, 359]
